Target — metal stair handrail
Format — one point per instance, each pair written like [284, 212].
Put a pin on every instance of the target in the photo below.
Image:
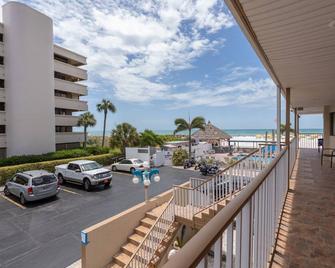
[153, 239]
[192, 200]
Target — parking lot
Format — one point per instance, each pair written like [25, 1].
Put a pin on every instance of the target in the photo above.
[47, 233]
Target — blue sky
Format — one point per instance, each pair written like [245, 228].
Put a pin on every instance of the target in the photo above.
[159, 60]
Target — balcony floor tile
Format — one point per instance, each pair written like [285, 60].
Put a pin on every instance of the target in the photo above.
[307, 236]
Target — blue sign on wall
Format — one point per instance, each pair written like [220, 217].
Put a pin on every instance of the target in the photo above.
[84, 238]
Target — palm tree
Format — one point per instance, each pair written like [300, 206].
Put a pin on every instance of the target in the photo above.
[105, 106]
[124, 135]
[182, 125]
[150, 138]
[86, 120]
[283, 128]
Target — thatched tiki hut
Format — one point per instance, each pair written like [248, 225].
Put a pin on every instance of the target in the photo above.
[212, 135]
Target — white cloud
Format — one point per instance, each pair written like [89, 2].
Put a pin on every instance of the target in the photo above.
[247, 91]
[132, 45]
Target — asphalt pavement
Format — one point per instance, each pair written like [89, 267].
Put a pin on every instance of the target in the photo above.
[47, 233]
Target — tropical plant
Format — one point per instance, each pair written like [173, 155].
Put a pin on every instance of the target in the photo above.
[179, 156]
[105, 106]
[124, 135]
[150, 138]
[167, 138]
[283, 128]
[182, 125]
[86, 120]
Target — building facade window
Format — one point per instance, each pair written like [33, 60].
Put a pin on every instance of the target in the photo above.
[2, 106]
[60, 111]
[2, 129]
[63, 129]
[61, 58]
[2, 83]
[1, 60]
[66, 77]
[1, 37]
[59, 93]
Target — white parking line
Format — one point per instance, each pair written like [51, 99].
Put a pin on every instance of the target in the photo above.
[68, 191]
[121, 173]
[12, 201]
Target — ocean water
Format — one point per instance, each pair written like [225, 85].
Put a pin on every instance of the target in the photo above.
[232, 132]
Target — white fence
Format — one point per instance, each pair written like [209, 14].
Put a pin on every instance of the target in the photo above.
[309, 140]
[248, 224]
[205, 193]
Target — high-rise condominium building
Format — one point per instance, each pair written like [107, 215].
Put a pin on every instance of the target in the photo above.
[40, 87]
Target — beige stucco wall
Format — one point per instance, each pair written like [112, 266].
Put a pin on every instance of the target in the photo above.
[106, 237]
[329, 141]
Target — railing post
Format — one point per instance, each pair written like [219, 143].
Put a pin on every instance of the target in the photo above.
[203, 263]
[246, 235]
[288, 126]
[230, 245]
[218, 253]
[278, 116]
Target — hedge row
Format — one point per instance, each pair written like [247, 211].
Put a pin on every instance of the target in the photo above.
[63, 154]
[8, 172]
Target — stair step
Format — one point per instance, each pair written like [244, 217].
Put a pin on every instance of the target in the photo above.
[147, 222]
[129, 248]
[142, 230]
[115, 265]
[151, 215]
[136, 239]
[121, 259]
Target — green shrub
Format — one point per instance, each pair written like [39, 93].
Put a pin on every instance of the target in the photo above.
[8, 172]
[179, 156]
[62, 154]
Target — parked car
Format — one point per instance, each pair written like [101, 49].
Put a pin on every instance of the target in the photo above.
[85, 172]
[32, 185]
[130, 165]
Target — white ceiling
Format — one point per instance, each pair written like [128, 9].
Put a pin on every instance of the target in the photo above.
[297, 42]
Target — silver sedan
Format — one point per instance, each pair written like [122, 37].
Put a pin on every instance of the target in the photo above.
[32, 185]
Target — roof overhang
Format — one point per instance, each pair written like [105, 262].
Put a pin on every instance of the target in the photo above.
[295, 40]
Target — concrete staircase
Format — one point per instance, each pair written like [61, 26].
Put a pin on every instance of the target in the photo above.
[165, 245]
[134, 240]
[201, 218]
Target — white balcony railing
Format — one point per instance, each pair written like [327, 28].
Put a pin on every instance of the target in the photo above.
[248, 224]
[66, 120]
[69, 137]
[71, 104]
[227, 184]
[70, 54]
[68, 69]
[70, 87]
[309, 140]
